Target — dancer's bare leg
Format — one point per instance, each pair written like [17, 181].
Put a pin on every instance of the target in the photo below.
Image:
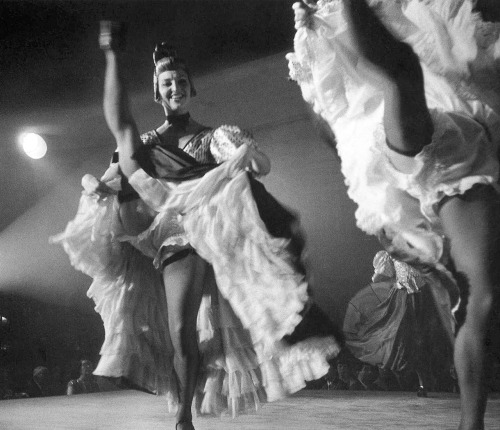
[471, 223]
[184, 280]
[397, 72]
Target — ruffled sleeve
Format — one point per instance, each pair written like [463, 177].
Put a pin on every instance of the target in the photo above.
[226, 139]
[384, 267]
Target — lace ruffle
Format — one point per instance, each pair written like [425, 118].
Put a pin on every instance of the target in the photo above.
[459, 157]
[226, 139]
[90, 239]
[254, 272]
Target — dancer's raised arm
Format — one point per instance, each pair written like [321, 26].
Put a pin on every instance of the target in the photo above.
[116, 104]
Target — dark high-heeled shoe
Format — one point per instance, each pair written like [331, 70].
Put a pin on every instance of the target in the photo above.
[184, 425]
[421, 392]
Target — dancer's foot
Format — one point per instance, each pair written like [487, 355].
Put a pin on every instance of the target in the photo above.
[184, 425]
[422, 391]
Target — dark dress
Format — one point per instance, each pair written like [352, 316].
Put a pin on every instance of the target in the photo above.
[395, 323]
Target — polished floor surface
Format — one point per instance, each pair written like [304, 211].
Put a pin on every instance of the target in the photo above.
[307, 410]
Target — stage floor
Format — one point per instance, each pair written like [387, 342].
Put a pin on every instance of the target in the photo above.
[314, 410]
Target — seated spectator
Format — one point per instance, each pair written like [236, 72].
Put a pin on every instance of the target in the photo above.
[86, 382]
[39, 385]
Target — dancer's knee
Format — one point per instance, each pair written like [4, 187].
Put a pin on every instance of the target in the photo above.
[479, 311]
[184, 338]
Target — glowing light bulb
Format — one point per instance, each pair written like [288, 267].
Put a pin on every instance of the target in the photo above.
[33, 145]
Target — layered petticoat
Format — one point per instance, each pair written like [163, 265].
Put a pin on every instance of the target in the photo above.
[255, 295]
[256, 273]
[127, 290]
[397, 196]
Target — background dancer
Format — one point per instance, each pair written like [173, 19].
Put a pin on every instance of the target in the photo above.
[395, 321]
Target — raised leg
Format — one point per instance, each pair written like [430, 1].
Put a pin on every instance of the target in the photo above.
[397, 72]
[116, 104]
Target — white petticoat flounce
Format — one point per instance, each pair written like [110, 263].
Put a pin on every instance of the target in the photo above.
[394, 202]
[129, 295]
[254, 271]
[127, 291]
[256, 274]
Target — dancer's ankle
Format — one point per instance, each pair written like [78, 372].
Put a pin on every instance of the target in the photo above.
[184, 425]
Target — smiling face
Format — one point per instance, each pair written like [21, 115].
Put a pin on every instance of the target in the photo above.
[175, 91]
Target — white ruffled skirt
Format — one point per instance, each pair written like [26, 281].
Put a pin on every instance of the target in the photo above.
[254, 294]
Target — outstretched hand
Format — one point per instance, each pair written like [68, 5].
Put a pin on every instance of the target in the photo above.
[94, 187]
[250, 159]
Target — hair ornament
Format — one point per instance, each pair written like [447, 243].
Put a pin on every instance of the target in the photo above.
[164, 50]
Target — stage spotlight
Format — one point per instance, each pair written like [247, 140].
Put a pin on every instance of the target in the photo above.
[33, 145]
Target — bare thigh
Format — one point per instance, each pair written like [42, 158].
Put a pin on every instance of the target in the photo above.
[184, 285]
[471, 222]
